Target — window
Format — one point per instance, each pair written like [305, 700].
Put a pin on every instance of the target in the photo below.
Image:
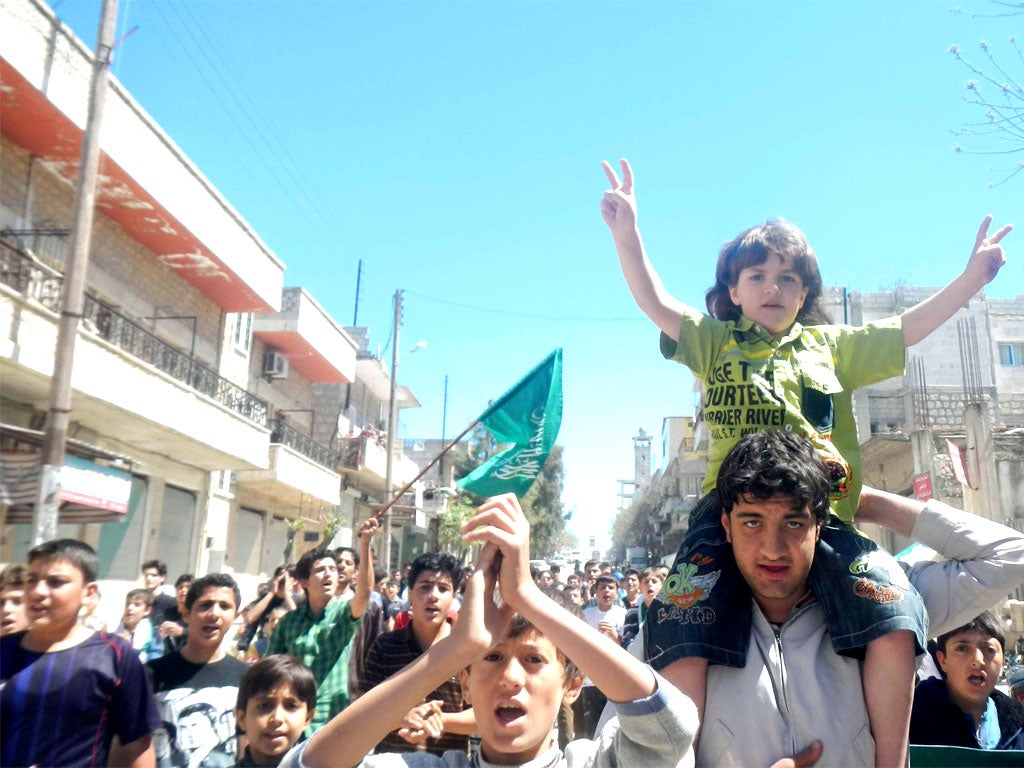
[243, 331]
[1011, 353]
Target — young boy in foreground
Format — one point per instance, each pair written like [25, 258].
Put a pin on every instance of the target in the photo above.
[276, 699]
[517, 676]
[70, 695]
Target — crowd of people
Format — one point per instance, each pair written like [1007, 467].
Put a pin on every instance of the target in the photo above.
[496, 662]
[780, 635]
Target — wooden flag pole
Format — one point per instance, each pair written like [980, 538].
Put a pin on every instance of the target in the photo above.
[394, 499]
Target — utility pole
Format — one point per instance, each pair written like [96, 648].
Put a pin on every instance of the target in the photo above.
[392, 430]
[359, 285]
[47, 507]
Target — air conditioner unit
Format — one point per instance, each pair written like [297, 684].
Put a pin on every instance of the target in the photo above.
[275, 365]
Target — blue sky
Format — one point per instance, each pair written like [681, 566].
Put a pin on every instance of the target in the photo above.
[455, 147]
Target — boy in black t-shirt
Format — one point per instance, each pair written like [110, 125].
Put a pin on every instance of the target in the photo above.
[196, 688]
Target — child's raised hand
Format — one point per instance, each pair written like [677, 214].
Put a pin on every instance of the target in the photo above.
[987, 258]
[618, 207]
[501, 523]
[481, 621]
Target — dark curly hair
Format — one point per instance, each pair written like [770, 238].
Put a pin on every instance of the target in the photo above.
[771, 463]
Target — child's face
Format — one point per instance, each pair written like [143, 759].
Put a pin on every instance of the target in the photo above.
[515, 691]
[273, 721]
[180, 593]
[210, 617]
[651, 586]
[54, 593]
[272, 619]
[972, 663]
[431, 597]
[606, 592]
[632, 585]
[134, 611]
[770, 294]
[12, 611]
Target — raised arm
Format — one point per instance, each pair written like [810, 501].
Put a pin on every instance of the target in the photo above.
[621, 677]
[364, 579]
[351, 734]
[986, 260]
[618, 208]
[985, 560]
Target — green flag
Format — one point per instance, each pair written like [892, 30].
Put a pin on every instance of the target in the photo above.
[527, 416]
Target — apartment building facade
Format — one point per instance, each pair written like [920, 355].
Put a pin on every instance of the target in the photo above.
[227, 402]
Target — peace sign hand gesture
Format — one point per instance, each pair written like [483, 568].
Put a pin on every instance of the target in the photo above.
[988, 257]
[618, 207]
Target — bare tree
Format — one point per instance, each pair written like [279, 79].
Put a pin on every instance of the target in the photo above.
[1000, 96]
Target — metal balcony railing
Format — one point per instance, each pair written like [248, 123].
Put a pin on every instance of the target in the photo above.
[285, 434]
[38, 282]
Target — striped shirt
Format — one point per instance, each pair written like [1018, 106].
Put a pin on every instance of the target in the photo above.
[65, 707]
[389, 654]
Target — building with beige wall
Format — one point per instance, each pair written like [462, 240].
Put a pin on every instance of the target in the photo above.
[225, 398]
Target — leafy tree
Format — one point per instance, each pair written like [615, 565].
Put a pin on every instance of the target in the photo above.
[449, 533]
[1000, 96]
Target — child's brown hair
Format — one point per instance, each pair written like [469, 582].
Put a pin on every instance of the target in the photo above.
[141, 595]
[267, 674]
[752, 247]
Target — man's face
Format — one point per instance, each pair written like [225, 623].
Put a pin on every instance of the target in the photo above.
[12, 611]
[593, 571]
[431, 597]
[134, 611]
[606, 592]
[211, 616]
[273, 721]
[773, 544]
[391, 590]
[322, 582]
[972, 663]
[196, 730]
[515, 691]
[574, 595]
[151, 578]
[346, 569]
[545, 579]
[54, 592]
[573, 581]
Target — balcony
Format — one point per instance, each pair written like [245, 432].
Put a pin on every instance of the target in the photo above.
[363, 460]
[148, 185]
[314, 344]
[299, 468]
[127, 383]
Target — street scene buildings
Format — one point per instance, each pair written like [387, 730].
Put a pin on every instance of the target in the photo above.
[220, 419]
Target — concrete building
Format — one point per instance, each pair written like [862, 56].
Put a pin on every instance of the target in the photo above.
[224, 404]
